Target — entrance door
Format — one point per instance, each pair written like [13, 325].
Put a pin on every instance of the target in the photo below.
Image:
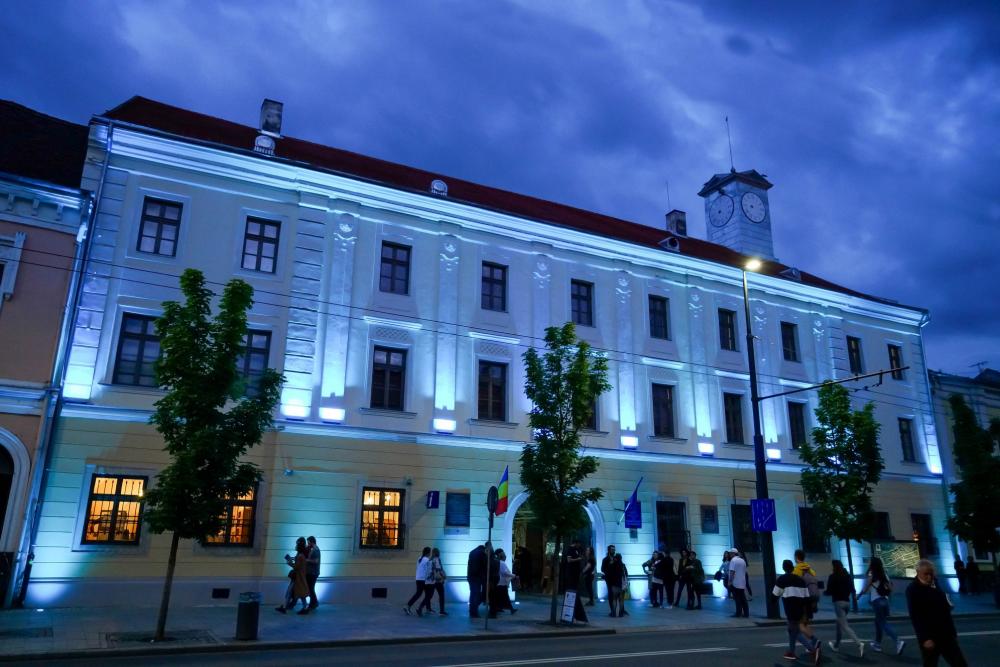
[671, 525]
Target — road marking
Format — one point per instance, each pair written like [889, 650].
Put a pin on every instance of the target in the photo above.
[608, 656]
[974, 633]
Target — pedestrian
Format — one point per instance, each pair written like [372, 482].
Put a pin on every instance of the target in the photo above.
[423, 568]
[840, 588]
[312, 569]
[722, 574]
[682, 564]
[589, 572]
[574, 573]
[960, 574]
[435, 583]
[655, 582]
[794, 595]
[298, 587]
[606, 564]
[669, 577]
[500, 595]
[738, 583]
[526, 574]
[930, 613]
[476, 575]
[615, 577]
[695, 579]
[805, 570]
[492, 582]
[879, 588]
[972, 575]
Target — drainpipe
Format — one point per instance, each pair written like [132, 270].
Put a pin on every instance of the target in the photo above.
[54, 395]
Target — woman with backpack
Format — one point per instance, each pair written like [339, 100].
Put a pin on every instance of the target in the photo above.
[879, 588]
[840, 588]
[435, 583]
[423, 572]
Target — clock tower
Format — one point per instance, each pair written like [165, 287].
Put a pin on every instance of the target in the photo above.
[737, 214]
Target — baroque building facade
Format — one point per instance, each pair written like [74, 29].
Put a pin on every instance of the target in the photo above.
[398, 303]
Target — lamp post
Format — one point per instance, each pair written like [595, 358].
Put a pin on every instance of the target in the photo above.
[760, 462]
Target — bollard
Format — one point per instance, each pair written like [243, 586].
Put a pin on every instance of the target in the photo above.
[247, 616]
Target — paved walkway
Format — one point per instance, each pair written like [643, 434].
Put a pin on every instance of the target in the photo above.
[50, 632]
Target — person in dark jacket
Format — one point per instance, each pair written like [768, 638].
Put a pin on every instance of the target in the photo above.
[840, 587]
[930, 613]
[669, 577]
[589, 572]
[682, 565]
[972, 575]
[960, 575]
[655, 581]
[794, 595]
[476, 574]
[606, 563]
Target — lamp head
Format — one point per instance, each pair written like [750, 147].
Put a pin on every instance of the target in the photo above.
[752, 264]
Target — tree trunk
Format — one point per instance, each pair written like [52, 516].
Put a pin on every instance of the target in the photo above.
[554, 609]
[850, 568]
[161, 621]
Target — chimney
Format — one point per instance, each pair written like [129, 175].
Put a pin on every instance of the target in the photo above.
[270, 126]
[677, 223]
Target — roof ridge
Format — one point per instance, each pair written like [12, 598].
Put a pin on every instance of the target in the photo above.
[40, 114]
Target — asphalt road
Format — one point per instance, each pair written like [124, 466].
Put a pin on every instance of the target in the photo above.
[980, 640]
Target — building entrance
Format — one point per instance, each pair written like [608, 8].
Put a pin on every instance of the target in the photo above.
[533, 547]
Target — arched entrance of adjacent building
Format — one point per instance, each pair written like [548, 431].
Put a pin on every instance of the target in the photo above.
[14, 468]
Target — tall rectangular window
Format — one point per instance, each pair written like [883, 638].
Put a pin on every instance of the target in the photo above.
[815, 539]
[659, 317]
[381, 519]
[896, 361]
[790, 341]
[744, 536]
[388, 377]
[237, 522]
[394, 275]
[582, 302]
[883, 530]
[906, 439]
[114, 509]
[138, 350]
[727, 329]
[923, 535]
[492, 391]
[797, 424]
[592, 420]
[663, 410]
[854, 355]
[260, 245]
[671, 524]
[733, 405]
[158, 229]
[253, 362]
[494, 287]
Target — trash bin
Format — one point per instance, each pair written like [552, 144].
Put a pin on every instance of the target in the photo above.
[247, 616]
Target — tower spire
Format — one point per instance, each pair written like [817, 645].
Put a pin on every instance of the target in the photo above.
[732, 165]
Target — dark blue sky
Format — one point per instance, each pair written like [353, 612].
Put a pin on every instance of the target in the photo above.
[878, 123]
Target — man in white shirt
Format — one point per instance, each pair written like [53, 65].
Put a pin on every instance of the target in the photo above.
[738, 583]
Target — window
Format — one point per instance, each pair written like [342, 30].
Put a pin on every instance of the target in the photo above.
[896, 361]
[253, 363]
[492, 391]
[237, 522]
[882, 531]
[814, 538]
[797, 424]
[158, 228]
[906, 439]
[659, 317]
[138, 350]
[582, 303]
[114, 510]
[733, 404]
[923, 535]
[388, 376]
[381, 519]
[260, 245]
[709, 519]
[494, 289]
[671, 525]
[394, 276]
[727, 329]
[591, 422]
[663, 410]
[743, 535]
[790, 341]
[457, 510]
[854, 355]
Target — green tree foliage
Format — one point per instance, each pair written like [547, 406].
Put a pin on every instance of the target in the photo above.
[563, 385]
[843, 466]
[976, 508]
[207, 420]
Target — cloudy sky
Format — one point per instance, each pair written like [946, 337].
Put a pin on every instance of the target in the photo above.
[876, 122]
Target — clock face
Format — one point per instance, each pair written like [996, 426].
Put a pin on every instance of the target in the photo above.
[753, 207]
[720, 210]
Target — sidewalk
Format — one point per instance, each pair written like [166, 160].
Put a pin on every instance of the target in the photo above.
[48, 633]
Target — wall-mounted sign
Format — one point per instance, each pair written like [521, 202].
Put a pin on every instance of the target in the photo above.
[433, 499]
[762, 515]
[633, 514]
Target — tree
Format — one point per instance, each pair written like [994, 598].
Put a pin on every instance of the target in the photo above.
[843, 465]
[562, 385]
[976, 508]
[207, 419]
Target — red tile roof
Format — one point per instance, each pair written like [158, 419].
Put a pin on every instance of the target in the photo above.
[41, 147]
[195, 126]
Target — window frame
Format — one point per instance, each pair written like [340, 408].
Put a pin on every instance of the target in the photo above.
[896, 361]
[487, 299]
[249, 376]
[927, 544]
[654, 314]
[799, 405]
[907, 444]
[381, 508]
[855, 355]
[727, 330]
[594, 422]
[751, 542]
[261, 238]
[143, 339]
[396, 265]
[491, 389]
[809, 531]
[730, 423]
[231, 504]
[581, 292]
[790, 342]
[160, 221]
[116, 498]
[658, 410]
[386, 369]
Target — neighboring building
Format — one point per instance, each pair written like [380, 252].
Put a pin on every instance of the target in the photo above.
[41, 212]
[982, 394]
[398, 303]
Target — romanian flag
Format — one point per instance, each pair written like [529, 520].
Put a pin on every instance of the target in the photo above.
[502, 495]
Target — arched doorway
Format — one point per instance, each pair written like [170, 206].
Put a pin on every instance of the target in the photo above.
[14, 468]
[6, 484]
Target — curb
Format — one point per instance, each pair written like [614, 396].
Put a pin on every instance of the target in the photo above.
[247, 646]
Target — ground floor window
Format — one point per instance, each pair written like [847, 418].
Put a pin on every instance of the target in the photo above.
[923, 535]
[815, 539]
[238, 521]
[114, 509]
[381, 519]
[743, 535]
[671, 525]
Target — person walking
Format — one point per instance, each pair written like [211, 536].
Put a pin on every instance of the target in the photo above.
[615, 577]
[682, 564]
[669, 577]
[476, 574]
[695, 579]
[794, 595]
[435, 583]
[805, 570]
[500, 595]
[930, 613]
[298, 587]
[972, 575]
[606, 564]
[655, 582]
[738, 583]
[960, 575]
[722, 574]
[879, 588]
[589, 573]
[313, 557]
[423, 569]
[840, 588]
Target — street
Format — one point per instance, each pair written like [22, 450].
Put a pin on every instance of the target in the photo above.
[979, 637]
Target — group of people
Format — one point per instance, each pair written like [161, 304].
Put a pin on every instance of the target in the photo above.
[488, 572]
[302, 577]
[430, 577]
[967, 573]
[663, 579]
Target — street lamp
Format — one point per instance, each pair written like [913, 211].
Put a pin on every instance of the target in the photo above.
[759, 459]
